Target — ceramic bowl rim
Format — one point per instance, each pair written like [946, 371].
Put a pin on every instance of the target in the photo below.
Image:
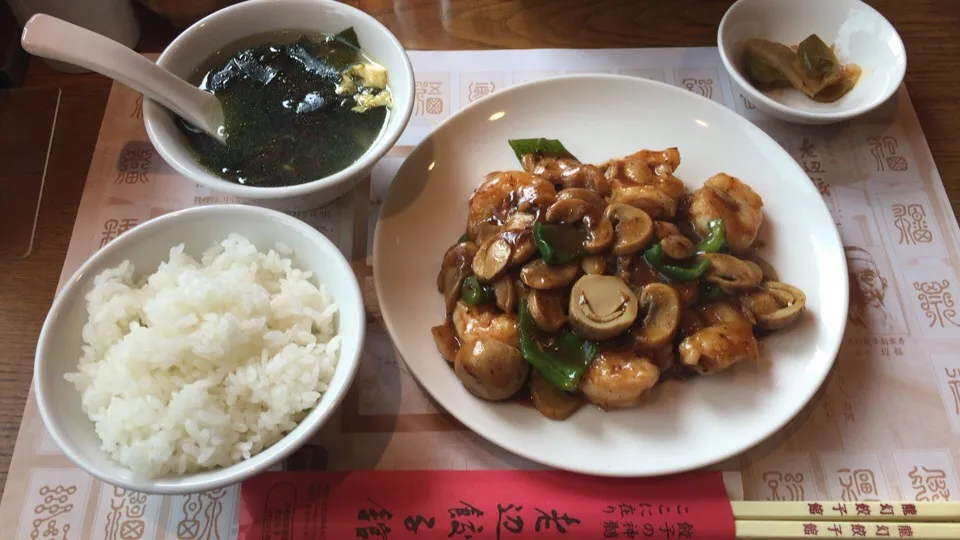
[222, 476]
[387, 138]
[815, 116]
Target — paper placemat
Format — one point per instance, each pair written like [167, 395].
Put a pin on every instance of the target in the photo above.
[886, 425]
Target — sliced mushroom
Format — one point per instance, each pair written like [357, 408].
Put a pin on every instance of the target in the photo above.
[757, 269]
[505, 293]
[454, 268]
[599, 232]
[662, 317]
[617, 379]
[598, 228]
[601, 307]
[587, 195]
[446, 342]
[731, 274]
[650, 199]
[717, 347]
[677, 246]
[485, 231]
[492, 258]
[491, 369]
[569, 210]
[665, 229]
[532, 193]
[632, 226]
[519, 221]
[522, 245]
[540, 275]
[546, 309]
[769, 273]
[777, 306]
[456, 260]
[625, 268]
[552, 402]
[594, 264]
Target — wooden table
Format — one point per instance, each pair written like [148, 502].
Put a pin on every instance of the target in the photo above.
[928, 27]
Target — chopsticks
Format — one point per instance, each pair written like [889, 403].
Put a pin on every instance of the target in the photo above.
[885, 519]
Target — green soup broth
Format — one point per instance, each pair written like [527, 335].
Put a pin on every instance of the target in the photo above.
[297, 107]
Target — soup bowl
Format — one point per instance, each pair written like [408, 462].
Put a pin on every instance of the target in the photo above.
[221, 32]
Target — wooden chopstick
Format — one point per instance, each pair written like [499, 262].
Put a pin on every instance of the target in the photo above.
[769, 530]
[842, 511]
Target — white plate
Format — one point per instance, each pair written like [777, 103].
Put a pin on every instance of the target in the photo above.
[684, 426]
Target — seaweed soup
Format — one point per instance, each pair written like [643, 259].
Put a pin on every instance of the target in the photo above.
[297, 107]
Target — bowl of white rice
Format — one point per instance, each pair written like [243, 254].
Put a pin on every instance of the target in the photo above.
[199, 349]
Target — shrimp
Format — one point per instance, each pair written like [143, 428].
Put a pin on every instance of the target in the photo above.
[668, 157]
[647, 168]
[585, 176]
[695, 319]
[501, 195]
[727, 198]
[548, 167]
[472, 323]
[717, 347]
[725, 312]
[618, 379]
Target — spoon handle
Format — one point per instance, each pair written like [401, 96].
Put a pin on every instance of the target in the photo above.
[53, 38]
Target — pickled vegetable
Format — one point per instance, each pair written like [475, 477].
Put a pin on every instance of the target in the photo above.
[813, 68]
[850, 74]
[817, 59]
[769, 65]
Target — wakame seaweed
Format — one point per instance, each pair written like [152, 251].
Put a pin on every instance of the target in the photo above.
[286, 122]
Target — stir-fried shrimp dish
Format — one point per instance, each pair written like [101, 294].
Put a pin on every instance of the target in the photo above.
[578, 283]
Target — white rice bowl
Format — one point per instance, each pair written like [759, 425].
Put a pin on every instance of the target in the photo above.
[203, 364]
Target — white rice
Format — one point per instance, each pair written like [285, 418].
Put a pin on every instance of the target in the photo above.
[204, 364]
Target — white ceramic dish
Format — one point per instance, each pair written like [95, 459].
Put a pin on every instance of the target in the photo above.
[59, 346]
[861, 35]
[684, 426]
[223, 29]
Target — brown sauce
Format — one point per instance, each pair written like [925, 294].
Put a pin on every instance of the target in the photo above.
[523, 396]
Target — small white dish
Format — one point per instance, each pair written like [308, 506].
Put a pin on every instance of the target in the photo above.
[199, 228]
[859, 33]
[683, 426]
[222, 30]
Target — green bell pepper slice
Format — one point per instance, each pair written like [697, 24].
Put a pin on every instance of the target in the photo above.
[716, 239]
[558, 244]
[654, 257]
[541, 147]
[473, 293]
[710, 292]
[563, 361]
